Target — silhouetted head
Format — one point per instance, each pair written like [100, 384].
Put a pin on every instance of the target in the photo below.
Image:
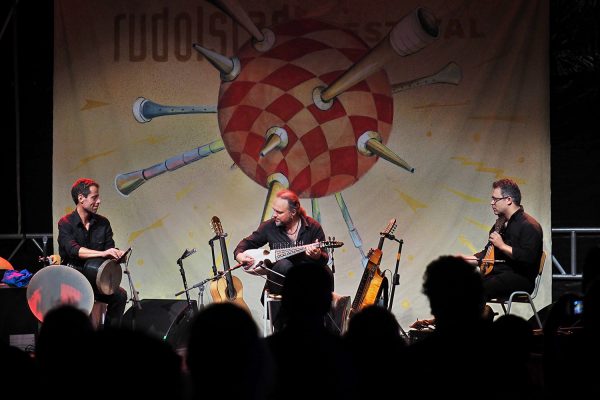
[513, 337]
[65, 328]
[307, 291]
[224, 338]
[373, 324]
[455, 290]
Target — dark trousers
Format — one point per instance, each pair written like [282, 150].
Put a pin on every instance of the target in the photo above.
[115, 307]
[502, 284]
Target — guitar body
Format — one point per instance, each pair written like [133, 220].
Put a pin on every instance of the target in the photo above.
[219, 291]
[372, 290]
[264, 255]
[486, 267]
[370, 283]
[372, 278]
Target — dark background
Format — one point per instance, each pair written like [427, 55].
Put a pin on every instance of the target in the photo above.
[26, 71]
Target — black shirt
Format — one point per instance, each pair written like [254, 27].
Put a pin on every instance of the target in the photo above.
[72, 235]
[524, 234]
[276, 237]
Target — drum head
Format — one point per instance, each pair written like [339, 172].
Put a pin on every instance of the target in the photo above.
[109, 277]
[55, 285]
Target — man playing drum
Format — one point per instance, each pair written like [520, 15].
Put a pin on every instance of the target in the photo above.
[85, 237]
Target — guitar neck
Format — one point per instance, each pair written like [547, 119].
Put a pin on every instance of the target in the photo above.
[226, 267]
[290, 251]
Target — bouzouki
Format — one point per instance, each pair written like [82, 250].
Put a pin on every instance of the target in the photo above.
[372, 278]
[268, 257]
[487, 263]
[227, 287]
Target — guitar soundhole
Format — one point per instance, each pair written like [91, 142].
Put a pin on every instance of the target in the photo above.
[265, 252]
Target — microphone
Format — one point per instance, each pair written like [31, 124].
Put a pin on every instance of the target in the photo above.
[187, 253]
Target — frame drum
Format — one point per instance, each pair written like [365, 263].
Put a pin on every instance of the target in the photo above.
[56, 285]
[104, 274]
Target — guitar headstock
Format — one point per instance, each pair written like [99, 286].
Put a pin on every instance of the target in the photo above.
[215, 224]
[331, 244]
[390, 228]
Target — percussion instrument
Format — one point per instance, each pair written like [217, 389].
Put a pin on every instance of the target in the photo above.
[56, 285]
[104, 274]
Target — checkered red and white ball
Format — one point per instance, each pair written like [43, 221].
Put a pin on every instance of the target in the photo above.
[275, 89]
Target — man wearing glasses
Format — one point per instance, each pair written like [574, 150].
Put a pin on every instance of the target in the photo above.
[516, 241]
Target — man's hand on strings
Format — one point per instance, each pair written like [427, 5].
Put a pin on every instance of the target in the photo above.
[313, 250]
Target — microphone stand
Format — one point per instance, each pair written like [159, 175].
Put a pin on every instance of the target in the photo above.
[396, 277]
[201, 284]
[135, 300]
[44, 252]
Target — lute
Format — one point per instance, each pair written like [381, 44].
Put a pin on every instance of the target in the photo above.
[268, 257]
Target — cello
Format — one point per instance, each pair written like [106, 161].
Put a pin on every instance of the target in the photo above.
[372, 278]
[486, 264]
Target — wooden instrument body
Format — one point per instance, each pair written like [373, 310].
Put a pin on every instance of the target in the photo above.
[228, 287]
[372, 279]
[487, 265]
[370, 283]
[219, 291]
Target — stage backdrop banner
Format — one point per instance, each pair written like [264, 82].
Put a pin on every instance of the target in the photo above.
[455, 91]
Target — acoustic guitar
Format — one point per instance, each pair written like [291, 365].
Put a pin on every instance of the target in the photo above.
[487, 264]
[372, 279]
[227, 287]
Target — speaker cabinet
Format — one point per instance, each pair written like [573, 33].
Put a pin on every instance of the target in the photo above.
[163, 318]
[17, 323]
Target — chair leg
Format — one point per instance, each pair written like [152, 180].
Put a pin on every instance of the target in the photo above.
[265, 316]
[535, 313]
[504, 308]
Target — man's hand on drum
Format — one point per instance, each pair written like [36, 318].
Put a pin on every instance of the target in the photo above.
[313, 250]
[113, 253]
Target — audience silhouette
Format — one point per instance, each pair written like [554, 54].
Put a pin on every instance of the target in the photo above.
[311, 361]
[465, 356]
[226, 358]
[63, 351]
[513, 344]
[457, 351]
[374, 342]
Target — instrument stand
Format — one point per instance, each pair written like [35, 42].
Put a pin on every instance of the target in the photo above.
[396, 279]
[182, 271]
[135, 300]
[212, 252]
